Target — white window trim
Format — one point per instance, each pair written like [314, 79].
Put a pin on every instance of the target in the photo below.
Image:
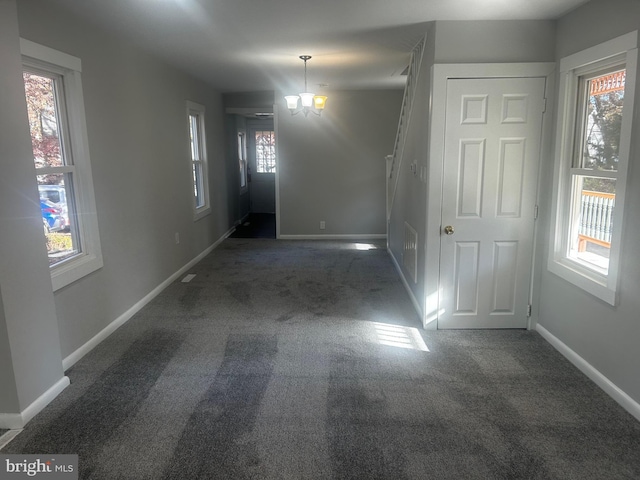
[244, 160]
[604, 287]
[70, 68]
[199, 110]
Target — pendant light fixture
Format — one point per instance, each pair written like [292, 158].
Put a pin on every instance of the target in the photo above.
[310, 102]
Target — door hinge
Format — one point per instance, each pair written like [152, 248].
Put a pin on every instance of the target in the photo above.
[529, 310]
[535, 212]
[544, 105]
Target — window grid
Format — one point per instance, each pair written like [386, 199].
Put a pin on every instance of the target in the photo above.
[594, 174]
[265, 151]
[592, 160]
[57, 124]
[48, 126]
[198, 159]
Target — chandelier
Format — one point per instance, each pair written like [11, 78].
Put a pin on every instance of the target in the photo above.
[310, 102]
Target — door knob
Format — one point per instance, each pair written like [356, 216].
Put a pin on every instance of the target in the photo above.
[449, 230]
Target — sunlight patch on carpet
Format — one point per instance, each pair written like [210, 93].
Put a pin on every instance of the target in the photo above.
[399, 336]
[364, 246]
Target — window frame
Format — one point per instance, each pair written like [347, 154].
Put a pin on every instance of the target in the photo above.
[242, 160]
[199, 211]
[69, 70]
[618, 51]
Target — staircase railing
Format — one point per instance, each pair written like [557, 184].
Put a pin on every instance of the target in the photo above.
[596, 219]
[394, 161]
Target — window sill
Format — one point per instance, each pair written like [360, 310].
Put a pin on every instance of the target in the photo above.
[74, 270]
[582, 278]
[201, 213]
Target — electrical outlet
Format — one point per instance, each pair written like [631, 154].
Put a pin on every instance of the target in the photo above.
[177, 238]
[322, 224]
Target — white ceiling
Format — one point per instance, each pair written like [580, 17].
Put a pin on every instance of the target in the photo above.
[253, 45]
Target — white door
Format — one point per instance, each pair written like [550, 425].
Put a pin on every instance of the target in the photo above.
[492, 151]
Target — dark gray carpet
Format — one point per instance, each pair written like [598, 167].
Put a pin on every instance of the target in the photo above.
[304, 360]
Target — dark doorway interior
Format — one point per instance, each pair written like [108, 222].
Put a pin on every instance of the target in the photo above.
[257, 225]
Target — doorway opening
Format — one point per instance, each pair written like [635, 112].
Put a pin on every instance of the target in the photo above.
[257, 225]
[257, 154]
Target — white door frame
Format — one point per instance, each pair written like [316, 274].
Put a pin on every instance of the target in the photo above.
[440, 74]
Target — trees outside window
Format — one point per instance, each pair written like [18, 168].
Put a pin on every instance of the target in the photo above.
[599, 123]
[54, 164]
[265, 151]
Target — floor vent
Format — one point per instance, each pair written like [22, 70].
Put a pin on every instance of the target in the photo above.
[410, 252]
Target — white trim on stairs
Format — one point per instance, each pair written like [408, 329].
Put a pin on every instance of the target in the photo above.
[413, 298]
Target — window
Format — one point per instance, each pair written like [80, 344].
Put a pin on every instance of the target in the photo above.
[592, 154]
[55, 107]
[595, 167]
[265, 151]
[198, 150]
[242, 160]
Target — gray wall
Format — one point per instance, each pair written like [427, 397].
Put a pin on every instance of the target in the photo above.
[332, 167]
[138, 140]
[9, 393]
[495, 41]
[251, 100]
[605, 336]
[30, 359]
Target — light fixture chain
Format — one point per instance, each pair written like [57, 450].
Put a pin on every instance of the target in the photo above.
[305, 76]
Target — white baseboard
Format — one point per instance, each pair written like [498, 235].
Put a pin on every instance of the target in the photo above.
[14, 421]
[69, 361]
[372, 236]
[413, 298]
[7, 437]
[610, 388]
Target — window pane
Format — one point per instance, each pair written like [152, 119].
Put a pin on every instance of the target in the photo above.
[603, 119]
[55, 189]
[197, 158]
[265, 151]
[593, 221]
[197, 184]
[242, 160]
[58, 217]
[193, 137]
[44, 119]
